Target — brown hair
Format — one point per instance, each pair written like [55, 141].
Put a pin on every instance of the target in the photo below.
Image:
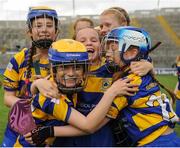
[85, 20]
[119, 16]
[24, 91]
[79, 20]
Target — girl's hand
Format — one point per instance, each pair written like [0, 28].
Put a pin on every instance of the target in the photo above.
[141, 68]
[45, 87]
[123, 87]
[28, 138]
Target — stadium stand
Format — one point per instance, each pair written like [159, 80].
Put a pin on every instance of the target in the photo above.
[163, 25]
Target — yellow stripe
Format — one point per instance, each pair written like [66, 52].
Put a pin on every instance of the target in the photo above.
[168, 29]
[148, 120]
[60, 110]
[99, 85]
[152, 136]
[17, 144]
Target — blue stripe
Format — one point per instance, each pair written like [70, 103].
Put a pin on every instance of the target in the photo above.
[23, 64]
[35, 102]
[48, 106]
[7, 79]
[67, 56]
[68, 114]
[178, 108]
[10, 89]
[43, 65]
[15, 64]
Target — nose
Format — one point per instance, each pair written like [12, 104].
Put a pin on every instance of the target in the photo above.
[103, 31]
[109, 55]
[44, 28]
[70, 71]
[88, 43]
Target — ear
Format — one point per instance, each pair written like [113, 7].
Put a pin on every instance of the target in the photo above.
[131, 53]
[134, 51]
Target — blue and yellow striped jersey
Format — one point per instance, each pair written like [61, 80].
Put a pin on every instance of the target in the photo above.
[54, 111]
[15, 73]
[147, 114]
[14, 80]
[50, 112]
[98, 81]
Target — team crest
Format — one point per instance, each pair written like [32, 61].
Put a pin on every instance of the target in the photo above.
[106, 83]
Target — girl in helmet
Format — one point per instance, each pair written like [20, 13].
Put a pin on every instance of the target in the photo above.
[148, 115]
[69, 65]
[42, 25]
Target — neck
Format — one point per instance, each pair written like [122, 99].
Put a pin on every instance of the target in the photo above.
[43, 53]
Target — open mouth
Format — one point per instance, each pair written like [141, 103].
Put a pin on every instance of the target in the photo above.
[90, 50]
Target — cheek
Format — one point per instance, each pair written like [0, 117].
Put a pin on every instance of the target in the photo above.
[117, 59]
[59, 75]
[80, 73]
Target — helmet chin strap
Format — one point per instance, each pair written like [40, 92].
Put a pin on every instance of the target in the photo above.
[42, 43]
[69, 90]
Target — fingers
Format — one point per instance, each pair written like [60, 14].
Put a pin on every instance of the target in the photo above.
[28, 137]
[48, 77]
[36, 57]
[35, 77]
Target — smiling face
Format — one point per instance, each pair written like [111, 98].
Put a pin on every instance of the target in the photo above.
[70, 75]
[90, 38]
[43, 28]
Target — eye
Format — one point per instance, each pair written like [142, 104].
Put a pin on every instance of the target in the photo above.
[79, 67]
[60, 67]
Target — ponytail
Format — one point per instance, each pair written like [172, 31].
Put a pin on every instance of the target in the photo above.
[24, 91]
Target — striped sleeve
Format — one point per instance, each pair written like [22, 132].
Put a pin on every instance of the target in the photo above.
[118, 104]
[55, 107]
[11, 74]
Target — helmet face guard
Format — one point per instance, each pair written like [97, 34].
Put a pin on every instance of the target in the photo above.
[124, 39]
[42, 12]
[70, 65]
[71, 84]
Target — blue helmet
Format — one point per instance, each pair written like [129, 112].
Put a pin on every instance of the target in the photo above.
[68, 52]
[129, 36]
[41, 11]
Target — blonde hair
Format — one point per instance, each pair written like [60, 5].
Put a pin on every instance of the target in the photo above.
[118, 15]
[124, 12]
